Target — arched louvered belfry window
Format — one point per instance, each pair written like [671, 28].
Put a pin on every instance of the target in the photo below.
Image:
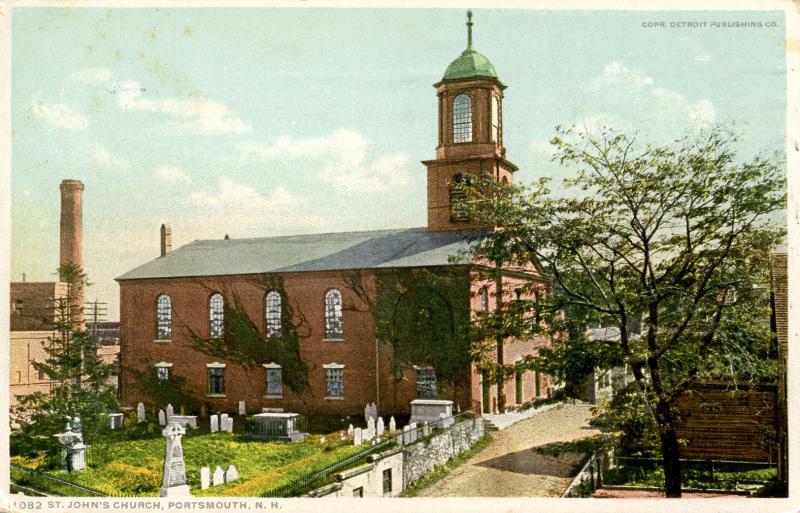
[495, 119]
[163, 318]
[334, 327]
[462, 118]
[216, 316]
[273, 313]
[459, 195]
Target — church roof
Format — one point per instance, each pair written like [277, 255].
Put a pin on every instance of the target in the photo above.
[412, 247]
[470, 63]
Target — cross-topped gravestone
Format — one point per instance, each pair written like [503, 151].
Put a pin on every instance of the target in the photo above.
[173, 481]
[140, 412]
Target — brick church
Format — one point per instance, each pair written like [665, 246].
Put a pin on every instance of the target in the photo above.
[185, 294]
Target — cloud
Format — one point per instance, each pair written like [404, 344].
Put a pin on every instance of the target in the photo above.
[243, 197]
[105, 158]
[342, 155]
[703, 57]
[635, 96]
[172, 174]
[198, 115]
[59, 115]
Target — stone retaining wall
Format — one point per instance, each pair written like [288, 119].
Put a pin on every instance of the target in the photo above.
[422, 457]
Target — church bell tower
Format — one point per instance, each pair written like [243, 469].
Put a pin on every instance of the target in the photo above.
[470, 138]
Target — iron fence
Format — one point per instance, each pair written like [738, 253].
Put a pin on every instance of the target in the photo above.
[322, 477]
[38, 482]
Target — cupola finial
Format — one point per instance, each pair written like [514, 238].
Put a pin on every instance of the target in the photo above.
[469, 29]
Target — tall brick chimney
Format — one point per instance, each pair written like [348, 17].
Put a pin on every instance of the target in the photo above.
[72, 236]
[166, 239]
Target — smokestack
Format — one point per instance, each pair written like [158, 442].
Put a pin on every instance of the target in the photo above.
[166, 239]
[72, 238]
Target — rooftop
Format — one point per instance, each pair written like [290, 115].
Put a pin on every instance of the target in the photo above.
[410, 247]
[470, 63]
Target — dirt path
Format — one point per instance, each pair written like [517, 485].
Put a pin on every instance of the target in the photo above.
[510, 466]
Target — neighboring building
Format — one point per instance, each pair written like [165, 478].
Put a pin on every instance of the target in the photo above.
[603, 384]
[188, 289]
[779, 301]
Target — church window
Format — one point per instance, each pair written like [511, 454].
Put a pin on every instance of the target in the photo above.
[334, 327]
[462, 118]
[334, 380]
[459, 196]
[274, 375]
[426, 383]
[163, 370]
[495, 119]
[273, 314]
[216, 379]
[485, 299]
[163, 318]
[216, 316]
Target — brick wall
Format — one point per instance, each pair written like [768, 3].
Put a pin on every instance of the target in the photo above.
[723, 422]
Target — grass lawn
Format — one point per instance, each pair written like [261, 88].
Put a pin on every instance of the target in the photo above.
[134, 467]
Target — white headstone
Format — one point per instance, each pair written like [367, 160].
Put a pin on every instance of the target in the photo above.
[366, 412]
[170, 411]
[392, 425]
[223, 421]
[162, 418]
[357, 438]
[371, 425]
[426, 429]
[140, 412]
[229, 425]
[214, 423]
[350, 430]
[173, 481]
[380, 427]
[219, 476]
[322, 440]
[205, 478]
[242, 408]
[231, 474]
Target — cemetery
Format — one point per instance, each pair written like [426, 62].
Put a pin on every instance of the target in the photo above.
[160, 453]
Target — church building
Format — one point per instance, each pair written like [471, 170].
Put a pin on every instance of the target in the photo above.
[291, 322]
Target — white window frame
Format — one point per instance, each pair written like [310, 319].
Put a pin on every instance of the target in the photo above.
[333, 366]
[215, 365]
[163, 365]
[267, 368]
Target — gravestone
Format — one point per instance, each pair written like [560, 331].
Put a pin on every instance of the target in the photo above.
[73, 450]
[426, 429]
[242, 408]
[223, 422]
[380, 427]
[205, 478]
[357, 437]
[140, 413]
[371, 428]
[115, 420]
[229, 425]
[392, 425]
[162, 418]
[322, 440]
[277, 426]
[429, 409]
[173, 481]
[350, 430]
[170, 412]
[231, 474]
[219, 476]
[214, 423]
[187, 421]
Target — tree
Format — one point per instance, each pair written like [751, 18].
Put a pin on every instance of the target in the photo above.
[78, 377]
[677, 236]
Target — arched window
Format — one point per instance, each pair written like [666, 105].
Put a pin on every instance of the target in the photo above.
[216, 316]
[459, 195]
[495, 119]
[273, 314]
[334, 328]
[163, 318]
[462, 118]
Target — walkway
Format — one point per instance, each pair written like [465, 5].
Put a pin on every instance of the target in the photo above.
[510, 466]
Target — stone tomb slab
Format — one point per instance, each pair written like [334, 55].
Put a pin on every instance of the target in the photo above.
[277, 426]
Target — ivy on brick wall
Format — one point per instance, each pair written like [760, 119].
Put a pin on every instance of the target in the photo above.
[424, 315]
[161, 392]
[243, 343]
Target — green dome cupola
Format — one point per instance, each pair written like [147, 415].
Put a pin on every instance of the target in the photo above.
[470, 63]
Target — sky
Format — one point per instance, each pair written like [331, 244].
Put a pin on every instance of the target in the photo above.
[266, 122]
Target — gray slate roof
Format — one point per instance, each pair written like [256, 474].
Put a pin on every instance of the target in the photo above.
[414, 247]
